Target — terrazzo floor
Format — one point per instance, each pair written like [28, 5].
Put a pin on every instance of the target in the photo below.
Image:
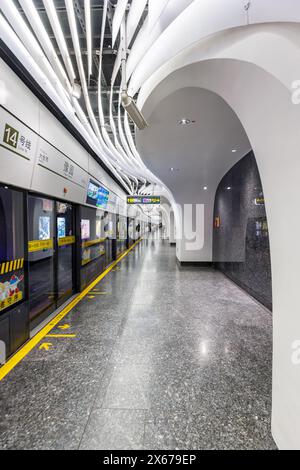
[166, 358]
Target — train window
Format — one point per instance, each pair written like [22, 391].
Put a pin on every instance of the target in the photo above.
[11, 247]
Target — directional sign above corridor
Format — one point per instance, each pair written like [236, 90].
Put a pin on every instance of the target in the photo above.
[143, 199]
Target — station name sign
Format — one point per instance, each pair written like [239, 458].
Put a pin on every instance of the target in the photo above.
[143, 199]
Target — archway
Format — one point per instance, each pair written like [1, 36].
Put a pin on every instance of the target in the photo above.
[273, 131]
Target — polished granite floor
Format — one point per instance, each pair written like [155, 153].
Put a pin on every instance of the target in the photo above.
[164, 358]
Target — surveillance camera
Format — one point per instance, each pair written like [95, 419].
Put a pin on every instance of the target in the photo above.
[133, 111]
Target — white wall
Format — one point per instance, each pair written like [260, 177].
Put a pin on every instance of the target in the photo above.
[254, 75]
[37, 123]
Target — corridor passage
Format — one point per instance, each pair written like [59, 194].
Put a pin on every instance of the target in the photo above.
[163, 357]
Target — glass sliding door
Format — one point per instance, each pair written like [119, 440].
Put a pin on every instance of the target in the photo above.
[121, 235]
[93, 254]
[14, 329]
[131, 232]
[65, 251]
[109, 235]
[42, 291]
[12, 272]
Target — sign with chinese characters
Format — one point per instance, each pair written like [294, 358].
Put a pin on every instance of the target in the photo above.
[63, 241]
[16, 137]
[39, 245]
[52, 159]
[11, 300]
[11, 283]
[143, 199]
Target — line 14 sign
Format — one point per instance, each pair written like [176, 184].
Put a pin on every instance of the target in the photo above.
[143, 199]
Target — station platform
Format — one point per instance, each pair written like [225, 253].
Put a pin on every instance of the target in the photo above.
[155, 356]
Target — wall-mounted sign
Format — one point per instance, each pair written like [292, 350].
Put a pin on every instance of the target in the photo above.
[97, 195]
[55, 161]
[16, 137]
[11, 283]
[10, 300]
[143, 199]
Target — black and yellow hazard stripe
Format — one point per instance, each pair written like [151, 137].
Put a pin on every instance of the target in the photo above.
[13, 265]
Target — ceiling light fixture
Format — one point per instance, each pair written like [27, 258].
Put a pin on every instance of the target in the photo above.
[59, 37]
[234, 150]
[184, 122]
[88, 25]
[228, 188]
[205, 188]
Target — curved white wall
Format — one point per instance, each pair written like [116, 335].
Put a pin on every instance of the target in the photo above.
[254, 77]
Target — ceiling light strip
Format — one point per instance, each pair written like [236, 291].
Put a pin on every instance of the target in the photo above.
[88, 26]
[42, 35]
[137, 8]
[59, 37]
[31, 44]
[76, 45]
[118, 18]
[100, 108]
[18, 49]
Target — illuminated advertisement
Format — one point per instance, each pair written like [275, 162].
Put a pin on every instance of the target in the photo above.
[143, 199]
[102, 200]
[61, 227]
[97, 195]
[92, 192]
[44, 228]
[85, 229]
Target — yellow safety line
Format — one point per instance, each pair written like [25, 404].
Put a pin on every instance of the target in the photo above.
[101, 293]
[19, 355]
[61, 336]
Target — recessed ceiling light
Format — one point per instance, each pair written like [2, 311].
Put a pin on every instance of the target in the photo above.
[184, 121]
[229, 188]
[205, 188]
[234, 150]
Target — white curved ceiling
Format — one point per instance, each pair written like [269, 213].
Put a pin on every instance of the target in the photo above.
[201, 151]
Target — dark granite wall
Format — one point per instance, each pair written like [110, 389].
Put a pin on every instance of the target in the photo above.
[241, 240]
